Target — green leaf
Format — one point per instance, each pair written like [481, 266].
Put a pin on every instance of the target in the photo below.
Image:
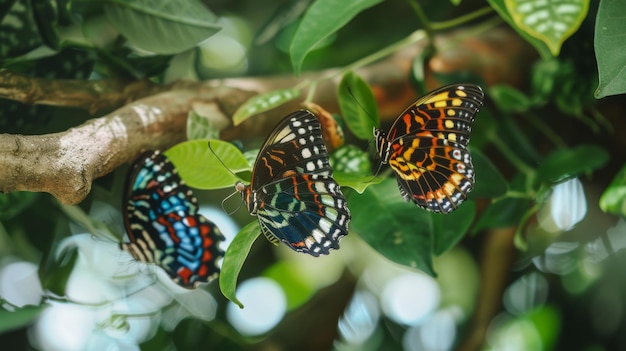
[358, 106]
[567, 163]
[234, 258]
[552, 22]
[162, 26]
[506, 212]
[20, 318]
[202, 168]
[501, 8]
[484, 129]
[613, 199]
[56, 270]
[18, 29]
[358, 182]
[200, 127]
[323, 18]
[509, 99]
[12, 204]
[400, 231]
[263, 102]
[489, 181]
[351, 159]
[285, 15]
[450, 228]
[610, 47]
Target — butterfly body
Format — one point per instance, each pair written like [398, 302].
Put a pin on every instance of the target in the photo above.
[164, 226]
[292, 191]
[427, 147]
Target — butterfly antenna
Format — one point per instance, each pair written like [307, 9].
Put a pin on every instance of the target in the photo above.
[235, 210]
[374, 122]
[220, 159]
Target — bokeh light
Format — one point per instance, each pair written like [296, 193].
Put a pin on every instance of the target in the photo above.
[360, 318]
[436, 334]
[265, 305]
[526, 293]
[409, 298]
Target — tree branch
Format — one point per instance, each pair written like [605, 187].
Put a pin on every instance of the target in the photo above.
[65, 164]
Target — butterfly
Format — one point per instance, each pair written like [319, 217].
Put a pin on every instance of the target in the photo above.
[163, 224]
[427, 147]
[292, 190]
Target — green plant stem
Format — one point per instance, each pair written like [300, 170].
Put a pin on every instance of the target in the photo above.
[421, 16]
[600, 118]
[512, 157]
[311, 92]
[437, 26]
[518, 239]
[512, 194]
[546, 130]
[413, 38]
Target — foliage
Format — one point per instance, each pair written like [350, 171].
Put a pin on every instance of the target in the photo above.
[528, 136]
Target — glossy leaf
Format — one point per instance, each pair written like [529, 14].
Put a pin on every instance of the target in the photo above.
[202, 168]
[566, 163]
[323, 18]
[281, 18]
[613, 199]
[358, 106]
[263, 102]
[489, 181]
[400, 231]
[358, 182]
[234, 259]
[610, 47]
[20, 318]
[552, 22]
[449, 229]
[162, 26]
[350, 159]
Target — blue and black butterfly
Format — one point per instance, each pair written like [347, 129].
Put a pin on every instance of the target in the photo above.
[163, 224]
[292, 190]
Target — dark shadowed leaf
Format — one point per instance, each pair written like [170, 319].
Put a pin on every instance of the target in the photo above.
[400, 231]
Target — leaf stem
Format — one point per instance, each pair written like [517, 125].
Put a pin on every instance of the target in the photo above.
[421, 16]
[518, 239]
[437, 26]
[512, 157]
[512, 194]
[413, 38]
[546, 130]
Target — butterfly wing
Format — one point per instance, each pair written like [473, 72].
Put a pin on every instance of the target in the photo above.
[427, 147]
[164, 226]
[307, 212]
[295, 146]
[292, 189]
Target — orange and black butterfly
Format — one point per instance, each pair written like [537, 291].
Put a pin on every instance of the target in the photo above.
[427, 147]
